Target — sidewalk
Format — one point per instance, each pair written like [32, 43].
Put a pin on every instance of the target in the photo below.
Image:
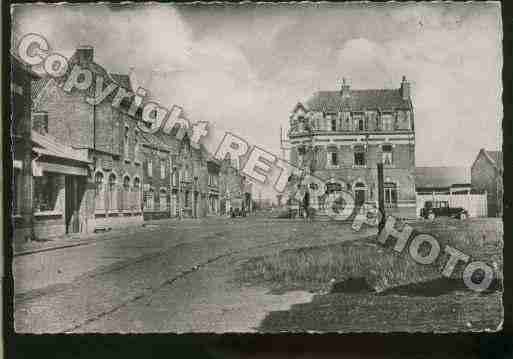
[78, 239]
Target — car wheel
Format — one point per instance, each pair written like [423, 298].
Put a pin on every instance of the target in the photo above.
[463, 216]
[431, 216]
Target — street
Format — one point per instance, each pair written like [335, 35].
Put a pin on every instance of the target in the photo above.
[173, 276]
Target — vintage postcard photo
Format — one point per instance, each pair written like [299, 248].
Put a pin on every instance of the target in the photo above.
[256, 167]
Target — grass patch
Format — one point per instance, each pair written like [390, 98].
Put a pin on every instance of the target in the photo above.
[319, 268]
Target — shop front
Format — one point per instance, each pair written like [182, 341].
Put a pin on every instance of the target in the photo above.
[59, 181]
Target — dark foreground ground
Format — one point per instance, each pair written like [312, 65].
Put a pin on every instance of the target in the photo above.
[189, 277]
[362, 286]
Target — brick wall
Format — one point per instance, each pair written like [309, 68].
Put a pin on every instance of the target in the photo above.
[70, 117]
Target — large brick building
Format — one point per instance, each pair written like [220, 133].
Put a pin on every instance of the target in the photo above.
[487, 174]
[110, 194]
[80, 166]
[21, 78]
[49, 175]
[340, 137]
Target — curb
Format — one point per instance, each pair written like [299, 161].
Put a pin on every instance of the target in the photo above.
[143, 226]
[68, 245]
[32, 251]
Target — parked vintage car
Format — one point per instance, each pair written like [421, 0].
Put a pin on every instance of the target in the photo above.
[433, 209]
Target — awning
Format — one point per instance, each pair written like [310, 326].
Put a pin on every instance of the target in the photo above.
[50, 147]
[64, 169]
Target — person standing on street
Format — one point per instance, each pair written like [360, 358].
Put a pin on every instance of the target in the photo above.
[306, 205]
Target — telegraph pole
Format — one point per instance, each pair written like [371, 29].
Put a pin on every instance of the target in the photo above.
[381, 199]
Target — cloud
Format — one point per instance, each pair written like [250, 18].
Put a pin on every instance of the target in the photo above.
[246, 69]
[455, 72]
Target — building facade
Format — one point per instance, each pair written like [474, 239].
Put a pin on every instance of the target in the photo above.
[49, 175]
[487, 174]
[214, 206]
[21, 127]
[341, 136]
[80, 166]
[235, 191]
[156, 177]
[110, 194]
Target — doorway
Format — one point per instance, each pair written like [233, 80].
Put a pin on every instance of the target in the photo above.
[359, 194]
[74, 192]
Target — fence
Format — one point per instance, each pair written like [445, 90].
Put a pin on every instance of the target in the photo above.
[475, 204]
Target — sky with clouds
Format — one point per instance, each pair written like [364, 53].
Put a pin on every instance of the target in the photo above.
[244, 67]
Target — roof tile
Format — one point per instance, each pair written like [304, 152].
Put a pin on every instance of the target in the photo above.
[332, 101]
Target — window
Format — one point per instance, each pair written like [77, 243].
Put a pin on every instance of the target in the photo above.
[112, 195]
[390, 193]
[149, 200]
[387, 123]
[136, 194]
[99, 192]
[187, 199]
[212, 179]
[162, 169]
[163, 200]
[333, 124]
[361, 124]
[46, 191]
[125, 205]
[332, 158]
[359, 193]
[359, 155]
[175, 177]
[126, 142]
[136, 146]
[387, 154]
[150, 167]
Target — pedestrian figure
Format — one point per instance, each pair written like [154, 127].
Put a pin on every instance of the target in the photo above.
[306, 205]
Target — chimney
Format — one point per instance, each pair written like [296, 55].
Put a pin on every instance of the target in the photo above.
[344, 89]
[85, 54]
[40, 122]
[405, 89]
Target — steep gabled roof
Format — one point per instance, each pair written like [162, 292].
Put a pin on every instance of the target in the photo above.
[441, 177]
[493, 157]
[332, 101]
[496, 157]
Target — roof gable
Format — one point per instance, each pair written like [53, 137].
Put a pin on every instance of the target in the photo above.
[496, 158]
[492, 157]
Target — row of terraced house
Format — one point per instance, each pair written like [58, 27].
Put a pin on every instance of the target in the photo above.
[80, 168]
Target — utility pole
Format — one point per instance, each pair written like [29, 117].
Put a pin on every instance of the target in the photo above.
[381, 199]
